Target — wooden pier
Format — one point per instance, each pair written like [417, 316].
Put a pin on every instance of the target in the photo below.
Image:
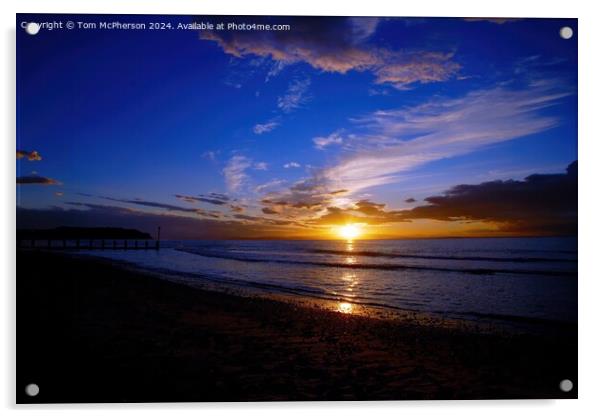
[91, 244]
[73, 238]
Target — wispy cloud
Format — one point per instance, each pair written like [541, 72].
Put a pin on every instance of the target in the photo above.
[270, 185]
[261, 166]
[390, 142]
[292, 164]
[210, 155]
[156, 205]
[321, 142]
[235, 172]
[211, 198]
[295, 96]
[262, 128]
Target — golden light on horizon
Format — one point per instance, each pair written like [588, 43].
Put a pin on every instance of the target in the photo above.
[350, 231]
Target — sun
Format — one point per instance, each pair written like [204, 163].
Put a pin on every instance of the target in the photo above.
[349, 231]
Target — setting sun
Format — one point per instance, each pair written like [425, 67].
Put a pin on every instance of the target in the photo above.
[349, 232]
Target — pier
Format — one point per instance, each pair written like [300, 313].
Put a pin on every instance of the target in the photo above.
[68, 238]
[90, 244]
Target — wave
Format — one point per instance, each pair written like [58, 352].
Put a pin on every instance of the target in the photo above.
[442, 257]
[408, 305]
[365, 266]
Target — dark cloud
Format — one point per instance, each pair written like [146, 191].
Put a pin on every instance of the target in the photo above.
[540, 204]
[35, 179]
[189, 199]
[269, 211]
[496, 20]
[410, 200]
[219, 196]
[30, 155]
[212, 198]
[370, 208]
[335, 44]
[339, 192]
[157, 205]
[237, 208]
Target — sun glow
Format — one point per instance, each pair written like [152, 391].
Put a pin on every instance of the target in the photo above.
[345, 307]
[349, 232]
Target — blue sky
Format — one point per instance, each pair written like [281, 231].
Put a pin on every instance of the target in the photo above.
[292, 129]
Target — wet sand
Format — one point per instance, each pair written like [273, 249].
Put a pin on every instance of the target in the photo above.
[89, 331]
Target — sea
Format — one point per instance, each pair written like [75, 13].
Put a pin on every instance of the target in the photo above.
[508, 279]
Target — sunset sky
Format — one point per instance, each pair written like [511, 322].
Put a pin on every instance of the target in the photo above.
[405, 127]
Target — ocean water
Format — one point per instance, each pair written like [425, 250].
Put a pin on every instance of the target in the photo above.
[514, 279]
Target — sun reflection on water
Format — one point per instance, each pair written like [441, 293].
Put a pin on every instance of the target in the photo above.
[345, 307]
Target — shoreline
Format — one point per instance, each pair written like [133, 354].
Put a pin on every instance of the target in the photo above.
[478, 322]
[132, 337]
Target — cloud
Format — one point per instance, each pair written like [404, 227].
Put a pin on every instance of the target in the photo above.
[263, 220]
[387, 143]
[497, 20]
[423, 67]
[264, 128]
[338, 45]
[35, 179]
[235, 172]
[410, 200]
[295, 96]
[262, 166]
[292, 164]
[212, 198]
[210, 155]
[274, 70]
[237, 208]
[321, 142]
[30, 155]
[269, 185]
[303, 200]
[269, 211]
[540, 204]
[157, 205]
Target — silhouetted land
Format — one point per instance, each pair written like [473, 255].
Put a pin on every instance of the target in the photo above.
[89, 331]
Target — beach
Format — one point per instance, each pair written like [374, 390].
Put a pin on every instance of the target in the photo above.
[90, 330]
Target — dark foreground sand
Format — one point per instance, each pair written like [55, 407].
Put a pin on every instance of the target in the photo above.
[91, 332]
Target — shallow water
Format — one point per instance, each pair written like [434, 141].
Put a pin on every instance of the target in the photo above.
[517, 279]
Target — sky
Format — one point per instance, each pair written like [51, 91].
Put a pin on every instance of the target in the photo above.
[405, 127]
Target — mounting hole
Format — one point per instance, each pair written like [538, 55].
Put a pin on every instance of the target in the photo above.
[32, 389]
[566, 385]
[566, 32]
[32, 28]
